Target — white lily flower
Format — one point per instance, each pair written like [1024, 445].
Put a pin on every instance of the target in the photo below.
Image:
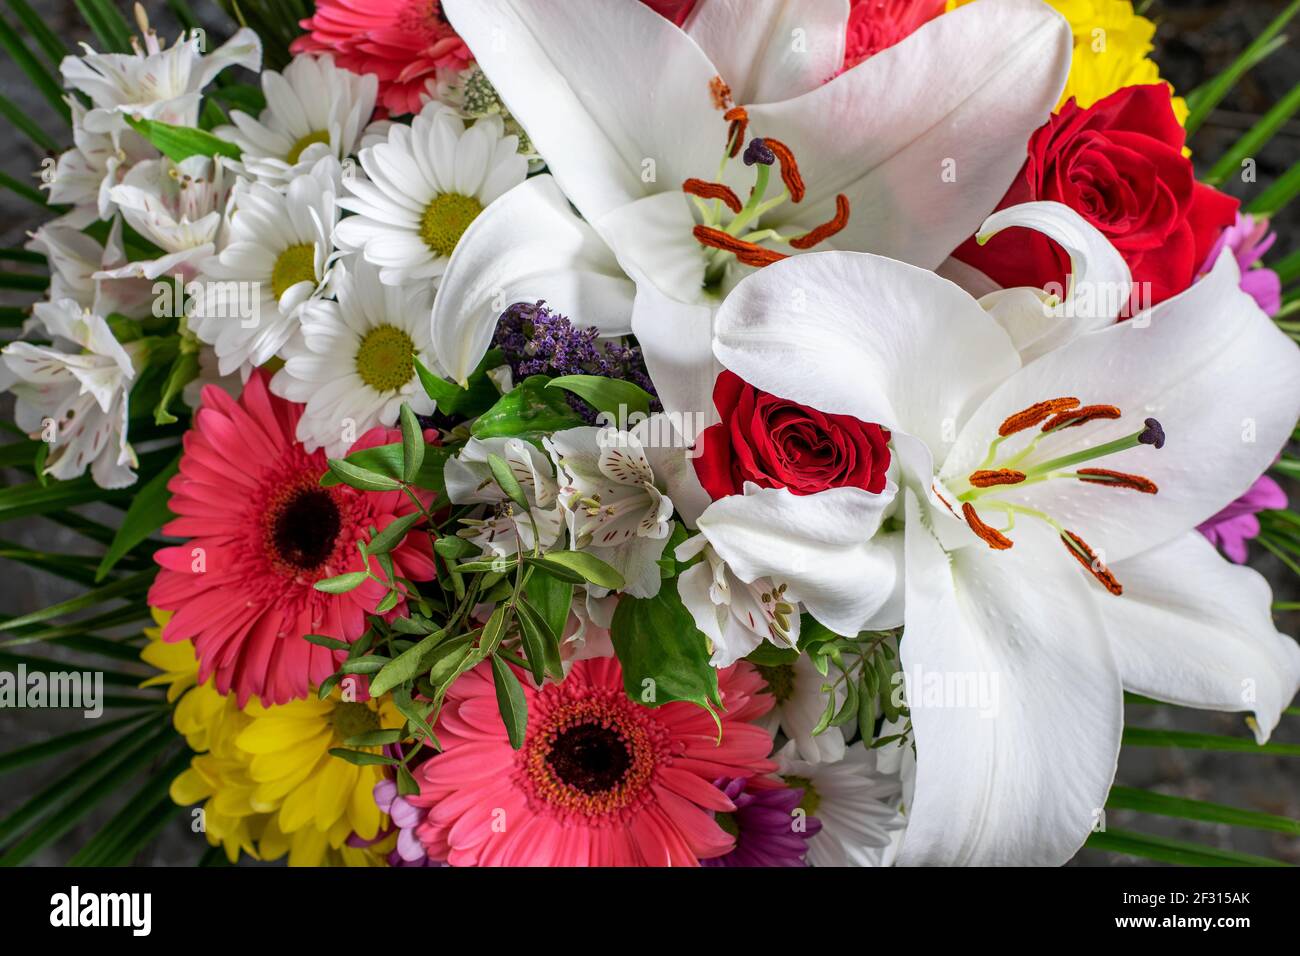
[734, 615]
[617, 490]
[157, 83]
[178, 207]
[76, 399]
[1049, 537]
[351, 362]
[313, 109]
[503, 530]
[881, 158]
[276, 256]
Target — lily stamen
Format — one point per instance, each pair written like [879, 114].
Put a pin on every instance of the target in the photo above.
[1088, 558]
[739, 120]
[745, 252]
[1119, 479]
[826, 229]
[707, 190]
[989, 477]
[1034, 414]
[994, 538]
[1081, 416]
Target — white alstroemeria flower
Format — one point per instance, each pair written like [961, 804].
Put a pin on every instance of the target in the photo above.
[734, 615]
[157, 83]
[879, 159]
[178, 207]
[352, 362]
[276, 258]
[83, 176]
[505, 530]
[313, 109]
[800, 703]
[422, 189]
[617, 489]
[77, 397]
[856, 802]
[83, 270]
[1050, 511]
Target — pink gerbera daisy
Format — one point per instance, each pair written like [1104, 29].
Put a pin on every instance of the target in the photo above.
[601, 780]
[262, 532]
[875, 25]
[403, 42]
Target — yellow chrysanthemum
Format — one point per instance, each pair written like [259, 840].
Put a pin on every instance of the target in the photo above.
[1112, 44]
[244, 809]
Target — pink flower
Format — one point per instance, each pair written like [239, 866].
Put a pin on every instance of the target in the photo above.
[262, 532]
[1231, 528]
[875, 25]
[403, 42]
[1249, 239]
[675, 10]
[601, 780]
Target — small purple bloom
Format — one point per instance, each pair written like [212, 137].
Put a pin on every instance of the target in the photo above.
[767, 828]
[1231, 528]
[1249, 239]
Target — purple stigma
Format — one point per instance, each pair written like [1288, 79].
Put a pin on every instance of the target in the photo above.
[1153, 434]
[759, 152]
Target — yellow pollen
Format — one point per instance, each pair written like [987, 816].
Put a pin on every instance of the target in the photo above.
[385, 359]
[296, 151]
[296, 264]
[445, 220]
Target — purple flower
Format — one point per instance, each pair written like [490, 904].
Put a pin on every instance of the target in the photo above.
[1249, 239]
[536, 341]
[767, 828]
[405, 818]
[1236, 524]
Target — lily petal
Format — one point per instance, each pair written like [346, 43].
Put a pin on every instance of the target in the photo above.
[1194, 629]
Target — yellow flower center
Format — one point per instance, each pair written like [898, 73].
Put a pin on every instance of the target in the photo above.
[296, 264]
[353, 718]
[445, 220]
[296, 151]
[811, 800]
[386, 358]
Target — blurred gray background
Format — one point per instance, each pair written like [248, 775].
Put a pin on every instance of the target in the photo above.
[1196, 40]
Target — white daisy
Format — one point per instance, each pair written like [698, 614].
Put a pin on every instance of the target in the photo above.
[314, 109]
[76, 400]
[352, 363]
[276, 258]
[856, 803]
[503, 530]
[423, 187]
[176, 206]
[800, 703]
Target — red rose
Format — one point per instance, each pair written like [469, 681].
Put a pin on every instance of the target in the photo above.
[780, 444]
[1119, 164]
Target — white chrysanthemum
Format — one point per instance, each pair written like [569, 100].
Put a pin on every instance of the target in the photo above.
[423, 187]
[83, 176]
[78, 398]
[503, 529]
[313, 109]
[275, 260]
[352, 362]
[176, 206]
[856, 803]
[800, 703]
[154, 83]
[734, 615]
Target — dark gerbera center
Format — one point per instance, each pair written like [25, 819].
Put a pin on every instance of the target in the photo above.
[303, 528]
[590, 757]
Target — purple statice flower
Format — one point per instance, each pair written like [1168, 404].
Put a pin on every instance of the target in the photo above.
[536, 341]
[1249, 239]
[768, 832]
[1231, 528]
[406, 817]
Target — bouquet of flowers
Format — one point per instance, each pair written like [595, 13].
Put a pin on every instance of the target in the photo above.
[644, 432]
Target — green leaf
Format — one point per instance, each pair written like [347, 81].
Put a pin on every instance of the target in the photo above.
[148, 513]
[1278, 195]
[542, 644]
[664, 656]
[1149, 737]
[614, 397]
[451, 399]
[1146, 801]
[1256, 139]
[185, 369]
[134, 585]
[392, 535]
[178, 143]
[362, 758]
[375, 738]
[22, 122]
[1205, 98]
[404, 666]
[321, 640]
[390, 461]
[579, 567]
[407, 708]
[528, 410]
[108, 24]
[1177, 852]
[510, 701]
[112, 842]
[356, 476]
[53, 48]
[53, 746]
[551, 598]
[342, 583]
[412, 444]
[505, 478]
[42, 78]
